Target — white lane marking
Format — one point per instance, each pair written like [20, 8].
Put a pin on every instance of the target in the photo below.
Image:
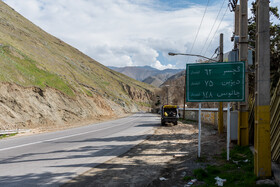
[69, 136]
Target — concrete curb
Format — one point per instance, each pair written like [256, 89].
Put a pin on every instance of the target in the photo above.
[6, 132]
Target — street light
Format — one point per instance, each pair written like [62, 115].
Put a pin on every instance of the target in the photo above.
[186, 54]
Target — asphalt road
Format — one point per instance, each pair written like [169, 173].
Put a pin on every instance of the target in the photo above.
[52, 159]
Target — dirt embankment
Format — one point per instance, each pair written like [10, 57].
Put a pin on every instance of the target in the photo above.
[49, 109]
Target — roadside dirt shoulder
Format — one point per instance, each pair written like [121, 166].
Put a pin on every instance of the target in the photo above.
[171, 152]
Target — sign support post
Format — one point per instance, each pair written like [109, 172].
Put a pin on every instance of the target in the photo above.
[228, 129]
[199, 130]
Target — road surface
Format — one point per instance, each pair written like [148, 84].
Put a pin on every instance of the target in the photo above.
[52, 159]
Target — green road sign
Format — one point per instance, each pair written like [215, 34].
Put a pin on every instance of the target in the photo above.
[215, 82]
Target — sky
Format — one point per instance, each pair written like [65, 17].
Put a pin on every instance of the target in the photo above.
[135, 32]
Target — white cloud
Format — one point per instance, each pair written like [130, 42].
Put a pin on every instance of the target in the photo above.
[159, 66]
[125, 32]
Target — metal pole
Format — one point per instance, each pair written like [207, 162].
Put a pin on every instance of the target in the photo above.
[262, 145]
[220, 113]
[199, 130]
[228, 129]
[184, 107]
[167, 94]
[243, 114]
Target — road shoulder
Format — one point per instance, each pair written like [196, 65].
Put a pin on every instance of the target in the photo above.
[170, 152]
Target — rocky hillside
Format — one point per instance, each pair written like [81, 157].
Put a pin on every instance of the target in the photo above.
[175, 91]
[45, 81]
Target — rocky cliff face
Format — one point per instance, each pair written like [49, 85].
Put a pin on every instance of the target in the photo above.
[138, 95]
[32, 107]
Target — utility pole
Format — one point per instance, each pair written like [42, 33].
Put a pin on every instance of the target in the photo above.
[221, 113]
[236, 34]
[262, 146]
[167, 93]
[243, 113]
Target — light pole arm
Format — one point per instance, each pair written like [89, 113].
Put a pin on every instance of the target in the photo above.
[186, 54]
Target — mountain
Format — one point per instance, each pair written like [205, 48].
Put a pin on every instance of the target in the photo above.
[137, 72]
[153, 80]
[46, 82]
[176, 76]
[147, 74]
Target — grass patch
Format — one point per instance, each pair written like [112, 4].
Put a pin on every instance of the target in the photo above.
[89, 93]
[7, 135]
[201, 159]
[23, 70]
[144, 104]
[200, 174]
[239, 171]
[187, 178]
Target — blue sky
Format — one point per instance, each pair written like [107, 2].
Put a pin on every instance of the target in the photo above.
[134, 32]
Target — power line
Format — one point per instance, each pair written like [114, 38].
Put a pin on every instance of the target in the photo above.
[215, 32]
[212, 27]
[199, 27]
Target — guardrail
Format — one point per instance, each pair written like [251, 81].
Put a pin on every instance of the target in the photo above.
[7, 132]
[208, 115]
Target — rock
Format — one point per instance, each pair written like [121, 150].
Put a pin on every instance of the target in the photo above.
[163, 179]
[178, 155]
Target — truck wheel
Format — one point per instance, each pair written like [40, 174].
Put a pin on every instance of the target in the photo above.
[162, 123]
[175, 123]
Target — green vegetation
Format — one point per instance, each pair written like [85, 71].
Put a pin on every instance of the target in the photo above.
[187, 178]
[22, 70]
[144, 104]
[274, 41]
[87, 92]
[239, 171]
[7, 135]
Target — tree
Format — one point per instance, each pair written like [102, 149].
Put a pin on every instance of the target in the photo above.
[274, 42]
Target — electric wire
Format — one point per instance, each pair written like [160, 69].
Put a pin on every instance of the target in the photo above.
[212, 28]
[215, 31]
[199, 28]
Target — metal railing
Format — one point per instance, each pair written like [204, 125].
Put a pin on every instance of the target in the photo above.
[275, 124]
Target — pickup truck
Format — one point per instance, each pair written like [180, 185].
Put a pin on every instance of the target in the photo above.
[169, 113]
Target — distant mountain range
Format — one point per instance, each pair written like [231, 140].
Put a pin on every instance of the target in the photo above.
[147, 74]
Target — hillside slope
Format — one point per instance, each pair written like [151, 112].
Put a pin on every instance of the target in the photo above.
[46, 81]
